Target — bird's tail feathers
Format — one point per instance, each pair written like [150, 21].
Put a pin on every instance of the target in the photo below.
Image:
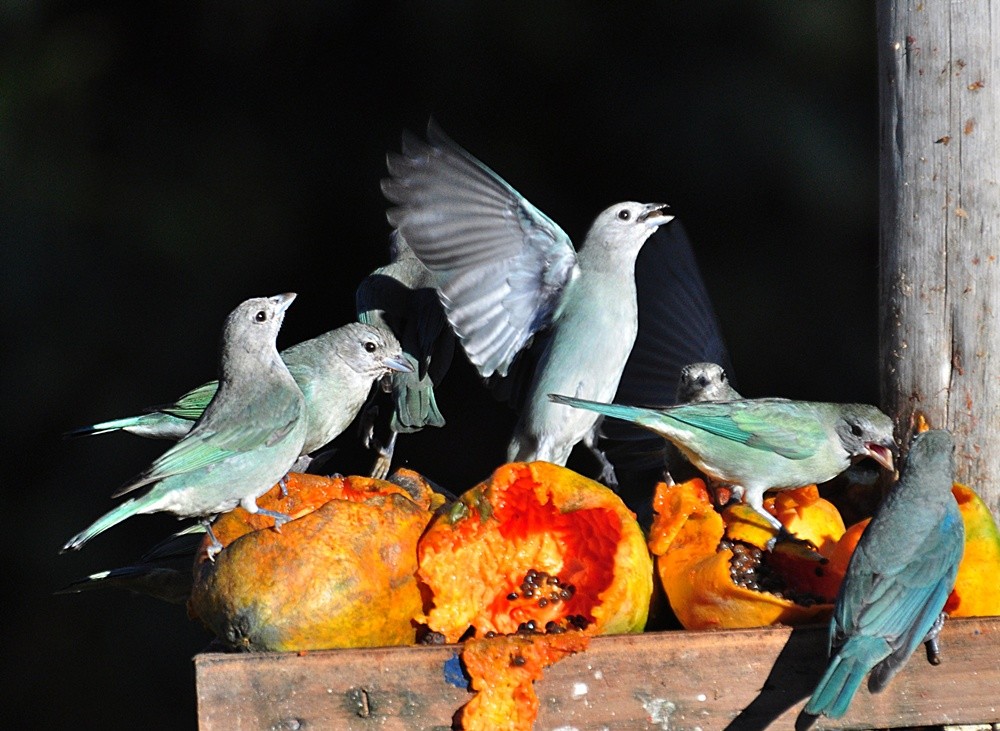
[104, 427]
[109, 519]
[635, 414]
[101, 579]
[416, 406]
[843, 676]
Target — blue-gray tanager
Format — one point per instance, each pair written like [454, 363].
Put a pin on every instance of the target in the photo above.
[507, 272]
[898, 579]
[335, 372]
[758, 444]
[246, 440]
[699, 382]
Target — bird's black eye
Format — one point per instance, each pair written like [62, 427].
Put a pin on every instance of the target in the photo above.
[261, 316]
[624, 214]
[856, 430]
[370, 346]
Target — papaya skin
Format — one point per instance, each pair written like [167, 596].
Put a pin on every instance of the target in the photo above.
[342, 573]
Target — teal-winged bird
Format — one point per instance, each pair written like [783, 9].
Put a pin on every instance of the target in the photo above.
[335, 372]
[247, 439]
[897, 582]
[755, 445]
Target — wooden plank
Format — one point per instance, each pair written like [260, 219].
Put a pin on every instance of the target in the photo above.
[939, 66]
[738, 679]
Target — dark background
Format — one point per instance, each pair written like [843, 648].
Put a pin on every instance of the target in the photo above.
[162, 161]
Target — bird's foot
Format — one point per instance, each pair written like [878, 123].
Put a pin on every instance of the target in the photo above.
[366, 426]
[785, 536]
[384, 460]
[381, 467]
[216, 545]
[608, 476]
[283, 485]
[931, 643]
[279, 518]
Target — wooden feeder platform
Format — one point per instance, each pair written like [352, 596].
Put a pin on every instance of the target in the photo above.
[724, 679]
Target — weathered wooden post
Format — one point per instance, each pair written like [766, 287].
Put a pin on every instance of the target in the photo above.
[939, 97]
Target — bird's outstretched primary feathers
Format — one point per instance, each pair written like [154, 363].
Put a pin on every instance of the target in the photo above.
[506, 272]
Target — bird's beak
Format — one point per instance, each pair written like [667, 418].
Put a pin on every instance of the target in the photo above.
[397, 364]
[881, 454]
[281, 301]
[656, 213]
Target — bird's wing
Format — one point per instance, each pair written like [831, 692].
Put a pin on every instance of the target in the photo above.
[677, 326]
[502, 263]
[192, 404]
[205, 446]
[898, 597]
[767, 424]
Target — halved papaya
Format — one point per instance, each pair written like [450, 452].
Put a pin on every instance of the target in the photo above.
[535, 548]
[714, 567]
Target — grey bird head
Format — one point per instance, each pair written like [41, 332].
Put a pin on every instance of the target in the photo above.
[624, 227]
[252, 328]
[372, 350]
[864, 431]
[932, 454]
[704, 382]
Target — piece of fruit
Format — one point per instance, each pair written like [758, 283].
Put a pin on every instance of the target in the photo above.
[503, 669]
[977, 586]
[715, 571]
[536, 548]
[341, 574]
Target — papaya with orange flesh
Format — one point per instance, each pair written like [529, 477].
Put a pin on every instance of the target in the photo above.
[536, 547]
[342, 573]
[503, 670]
[714, 567]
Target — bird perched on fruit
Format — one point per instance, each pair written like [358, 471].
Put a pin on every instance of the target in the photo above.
[898, 580]
[506, 273]
[758, 444]
[248, 437]
[335, 372]
[400, 297]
